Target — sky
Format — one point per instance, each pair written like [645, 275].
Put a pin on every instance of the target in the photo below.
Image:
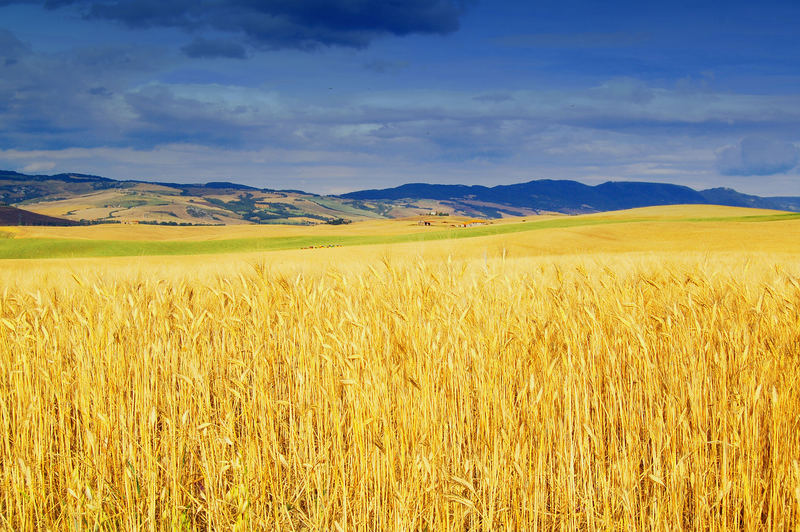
[340, 95]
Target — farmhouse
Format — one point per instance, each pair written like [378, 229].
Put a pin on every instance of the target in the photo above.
[472, 223]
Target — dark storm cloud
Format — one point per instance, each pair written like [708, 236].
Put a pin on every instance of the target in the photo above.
[274, 24]
[209, 48]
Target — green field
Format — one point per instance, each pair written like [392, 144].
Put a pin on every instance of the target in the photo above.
[40, 248]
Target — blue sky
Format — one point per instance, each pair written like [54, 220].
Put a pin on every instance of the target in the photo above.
[331, 96]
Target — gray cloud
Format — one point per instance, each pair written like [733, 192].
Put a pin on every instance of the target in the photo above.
[211, 48]
[161, 117]
[10, 47]
[493, 97]
[573, 40]
[758, 156]
[275, 24]
[66, 99]
[380, 66]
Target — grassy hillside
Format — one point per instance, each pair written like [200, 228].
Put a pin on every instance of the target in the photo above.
[20, 217]
[81, 197]
[144, 203]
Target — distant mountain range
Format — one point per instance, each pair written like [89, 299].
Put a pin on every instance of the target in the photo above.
[574, 197]
[76, 198]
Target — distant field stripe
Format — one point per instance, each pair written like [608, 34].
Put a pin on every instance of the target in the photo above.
[41, 248]
[38, 248]
[751, 218]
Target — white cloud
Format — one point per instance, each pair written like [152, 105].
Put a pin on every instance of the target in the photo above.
[271, 137]
[758, 156]
[39, 166]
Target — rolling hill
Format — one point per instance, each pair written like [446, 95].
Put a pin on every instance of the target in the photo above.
[81, 197]
[87, 198]
[14, 216]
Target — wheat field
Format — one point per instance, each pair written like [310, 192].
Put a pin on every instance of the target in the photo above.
[585, 393]
[485, 385]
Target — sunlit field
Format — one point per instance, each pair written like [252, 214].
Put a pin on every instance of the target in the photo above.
[632, 376]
